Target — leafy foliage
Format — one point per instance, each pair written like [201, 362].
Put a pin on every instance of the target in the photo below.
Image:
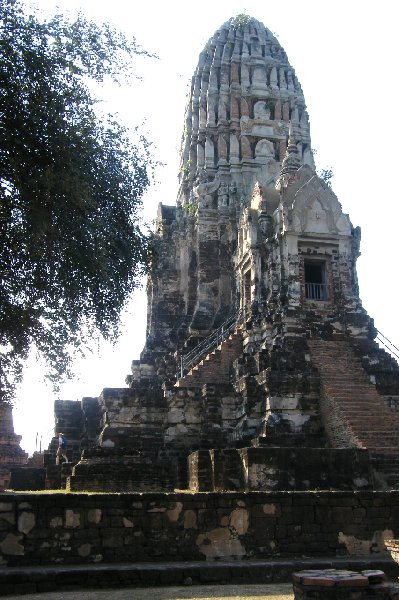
[70, 189]
[326, 175]
[241, 20]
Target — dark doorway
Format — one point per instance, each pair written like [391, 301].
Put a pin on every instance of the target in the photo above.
[315, 280]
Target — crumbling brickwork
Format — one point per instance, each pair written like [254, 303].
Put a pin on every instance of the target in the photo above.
[81, 528]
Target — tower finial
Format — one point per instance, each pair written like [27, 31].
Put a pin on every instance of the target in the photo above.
[291, 161]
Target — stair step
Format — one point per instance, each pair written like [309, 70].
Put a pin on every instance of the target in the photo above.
[215, 366]
[356, 402]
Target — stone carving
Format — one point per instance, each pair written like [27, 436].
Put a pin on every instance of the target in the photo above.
[261, 125]
[223, 195]
[264, 149]
[257, 195]
[232, 193]
[261, 110]
[204, 189]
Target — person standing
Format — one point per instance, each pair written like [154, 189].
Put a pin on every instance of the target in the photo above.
[61, 451]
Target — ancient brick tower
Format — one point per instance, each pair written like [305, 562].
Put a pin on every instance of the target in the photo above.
[260, 369]
[11, 454]
[243, 96]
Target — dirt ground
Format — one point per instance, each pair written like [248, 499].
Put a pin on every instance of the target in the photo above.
[203, 592]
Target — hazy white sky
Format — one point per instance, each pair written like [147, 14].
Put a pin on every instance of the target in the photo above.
[345, 56]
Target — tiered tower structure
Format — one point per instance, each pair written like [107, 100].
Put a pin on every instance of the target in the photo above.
[244, 94]
[11, 454]
[260, 369]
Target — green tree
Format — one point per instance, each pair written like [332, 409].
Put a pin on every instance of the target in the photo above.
[71, 185]
[326, 175]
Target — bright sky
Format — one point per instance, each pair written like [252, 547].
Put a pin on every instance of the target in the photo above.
[345, 56]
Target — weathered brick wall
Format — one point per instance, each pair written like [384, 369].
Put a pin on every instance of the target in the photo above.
[81, 528]
[264, 468]
[204, 416]
[338, 433]
[184, 416]
[133, 417]
[115, 469]
[11, 454]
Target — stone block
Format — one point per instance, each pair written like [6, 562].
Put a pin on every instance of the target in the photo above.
[12, 545]
[26, 522]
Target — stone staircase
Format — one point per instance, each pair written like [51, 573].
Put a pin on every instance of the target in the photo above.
[215, 367]
[355, 413]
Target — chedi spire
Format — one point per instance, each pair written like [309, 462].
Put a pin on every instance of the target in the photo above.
[253, 309]
[243, 95]
[291, 162]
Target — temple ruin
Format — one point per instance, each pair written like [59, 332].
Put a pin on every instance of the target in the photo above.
[260, 370]
[11, 453]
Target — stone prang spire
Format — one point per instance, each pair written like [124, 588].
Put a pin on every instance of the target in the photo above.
[291, 162]
[243, 95]
[259, 366]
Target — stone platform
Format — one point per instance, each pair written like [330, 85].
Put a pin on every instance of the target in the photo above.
[29, 580]
[343, 584]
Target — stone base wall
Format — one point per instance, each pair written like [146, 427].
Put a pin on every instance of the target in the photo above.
[79, 528]
[28, 478]
[280, 468]
[143, 476]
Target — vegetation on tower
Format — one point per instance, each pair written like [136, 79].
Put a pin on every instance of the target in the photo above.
[241, 20]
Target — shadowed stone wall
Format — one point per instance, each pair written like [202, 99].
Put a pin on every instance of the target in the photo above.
[270, 469]
[81, 528]
[11, 454]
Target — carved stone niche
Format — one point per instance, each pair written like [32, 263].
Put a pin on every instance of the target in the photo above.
[262, 111]
[264, 151]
